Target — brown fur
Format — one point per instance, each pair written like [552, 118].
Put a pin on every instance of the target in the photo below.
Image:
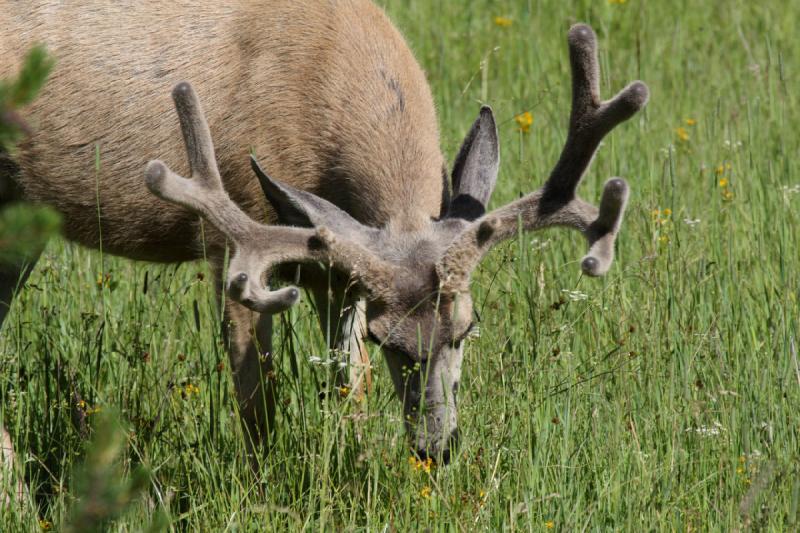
[332, 102]
[325, 92]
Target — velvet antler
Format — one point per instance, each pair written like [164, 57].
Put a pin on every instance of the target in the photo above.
[258, 247]
[556, 202]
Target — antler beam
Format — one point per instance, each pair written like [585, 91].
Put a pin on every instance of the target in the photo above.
[205, 195]
[258, 247]
[556, 202]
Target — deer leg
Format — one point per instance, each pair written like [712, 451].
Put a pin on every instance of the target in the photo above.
[247, 336]
[12, 277]
[9, 491]
[249, 342]
[344, 324]
[352, 343]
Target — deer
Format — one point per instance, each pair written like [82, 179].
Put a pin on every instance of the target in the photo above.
[325, 158]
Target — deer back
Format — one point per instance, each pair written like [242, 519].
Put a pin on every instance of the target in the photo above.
[325, 93]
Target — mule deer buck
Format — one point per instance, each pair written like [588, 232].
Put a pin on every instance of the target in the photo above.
[339, 114]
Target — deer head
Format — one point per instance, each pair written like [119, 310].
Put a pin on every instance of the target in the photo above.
[417, 285]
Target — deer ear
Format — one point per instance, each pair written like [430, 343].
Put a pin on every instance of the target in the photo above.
[301, 208]
[475, 169]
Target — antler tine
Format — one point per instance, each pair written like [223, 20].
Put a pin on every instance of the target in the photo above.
[555, 203]
[257, 247]
[196, 136]
[205, 195]
[602, 233]
[590, 119]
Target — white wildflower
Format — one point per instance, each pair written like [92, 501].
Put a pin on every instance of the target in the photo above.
[575, 296]
[691, 222]
[537, 244]
[731, 145]
[714, 430]
[790, 190]
[316, 360]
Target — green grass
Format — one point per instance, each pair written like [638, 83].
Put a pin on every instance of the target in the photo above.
[667, 399]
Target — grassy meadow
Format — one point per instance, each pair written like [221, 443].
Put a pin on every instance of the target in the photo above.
[663, 397]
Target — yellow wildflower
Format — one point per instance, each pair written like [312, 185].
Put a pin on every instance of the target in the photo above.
[667, 212]
[740, 470]
[86, 408]
[426, 465]
[720, 169]
[664, 239]
[690, 121]
[103, 280]
[418, 465]
[187, 390]
[45, 525]
[723, 182]
[727, 195]
[425, 492]
[682, 134]
[524, 121]
[344, 391]
[550, 524]
[503, 22]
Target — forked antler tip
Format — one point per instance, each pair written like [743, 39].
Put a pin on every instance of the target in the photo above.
[274, 302]
[285, 298]
[612, 208]
[186, 100]
[613, 203]
[154, 176]
[183, 89]
[261, 300]
[591, 266]
[616, 188]
[582, 35]
[635, 96]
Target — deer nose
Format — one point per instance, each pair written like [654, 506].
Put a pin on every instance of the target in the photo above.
[449, 450]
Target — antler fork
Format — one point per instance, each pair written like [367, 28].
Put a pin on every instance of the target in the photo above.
[258, 247]
[556, 202]
[204, 194]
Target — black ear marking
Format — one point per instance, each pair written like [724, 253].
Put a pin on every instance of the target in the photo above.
[466, 207]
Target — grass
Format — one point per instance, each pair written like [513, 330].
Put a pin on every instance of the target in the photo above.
[665, 396]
